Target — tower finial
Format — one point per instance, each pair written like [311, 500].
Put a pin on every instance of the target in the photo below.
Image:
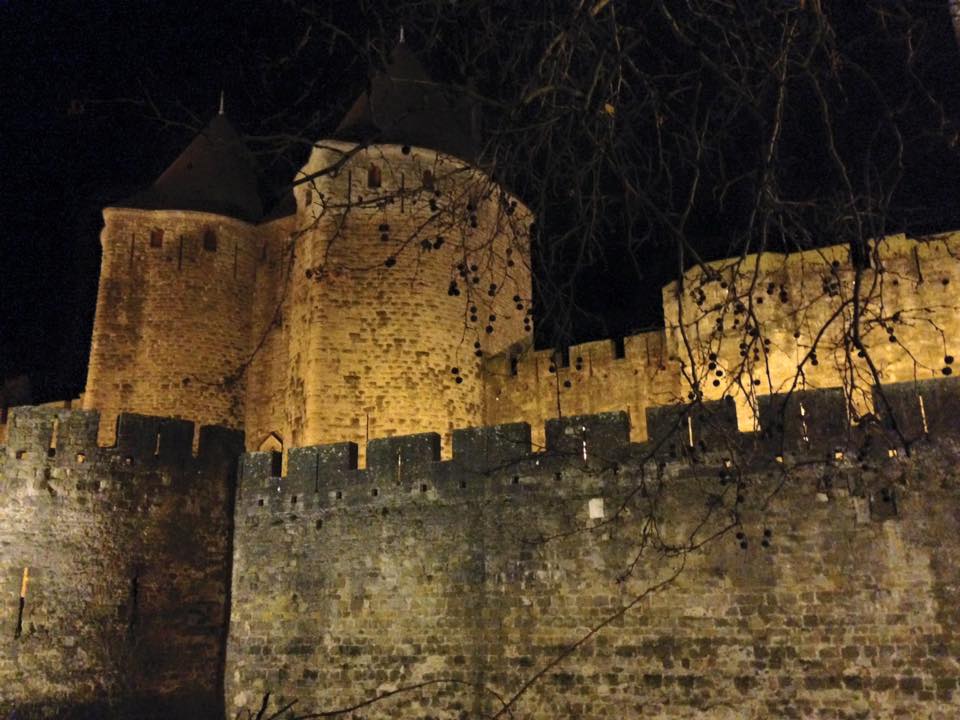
[221, 103]
[401, 34]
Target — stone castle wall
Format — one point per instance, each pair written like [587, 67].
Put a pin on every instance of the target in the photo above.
[534, 386]
[767, 323]
[127, 555]
[467, 577]
[172, 324]
[750, 327]
[379, 309]
[268, 375]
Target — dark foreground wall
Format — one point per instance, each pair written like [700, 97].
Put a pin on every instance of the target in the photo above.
[841, 598]
[128, 555]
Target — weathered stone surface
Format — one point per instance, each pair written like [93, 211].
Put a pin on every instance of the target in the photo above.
[127, 557]
[839, 599]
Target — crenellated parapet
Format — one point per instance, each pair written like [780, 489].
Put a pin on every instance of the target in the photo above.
[767, 549]
[804, 426]
[113, 564]
[631, 374]
[44, 439]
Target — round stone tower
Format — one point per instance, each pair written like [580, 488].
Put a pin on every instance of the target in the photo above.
[408, 265]
[172, 328]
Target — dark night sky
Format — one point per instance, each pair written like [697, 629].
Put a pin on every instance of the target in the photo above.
[71, 141]
[71, 144]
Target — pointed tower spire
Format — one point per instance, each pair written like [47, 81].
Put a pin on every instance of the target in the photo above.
[221, 103]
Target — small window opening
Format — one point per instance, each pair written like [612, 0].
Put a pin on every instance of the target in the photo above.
[308, 197]
[339, 495]
[374, 178]
[133, 617]
[428, 183]
[514, 362]
[803, 424]
[318, 524]
[375, 492]
[24, 582]
[516, 480]
[558, 477]
[293, 500]
[260, 502]
[210, 241]
[463, 484]
[22, 455]
[156, 238]
[52, 449]
[423, 488]
[619, 350]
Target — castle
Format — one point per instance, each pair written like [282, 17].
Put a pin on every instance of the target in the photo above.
[380, 318]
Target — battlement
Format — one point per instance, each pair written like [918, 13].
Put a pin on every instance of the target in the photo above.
[123, 553]
[804, 426]
[157, 449]
[629, 374]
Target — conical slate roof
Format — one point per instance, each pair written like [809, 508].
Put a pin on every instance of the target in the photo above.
[404, 106]
[216, 173]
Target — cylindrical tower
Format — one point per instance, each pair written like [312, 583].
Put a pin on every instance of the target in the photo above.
[172, 330]
[411, 266]
[401, 265]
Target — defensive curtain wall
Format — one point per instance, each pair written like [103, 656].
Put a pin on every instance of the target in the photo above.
[114, 566]
[806, 571]
[753, 326]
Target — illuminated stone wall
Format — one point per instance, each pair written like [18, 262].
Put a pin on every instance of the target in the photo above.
[127, 554]
[835, 595]
[172, 323]
[530, 386]
[378, 307]
[269, 381]
[767, 323]
[751, 327]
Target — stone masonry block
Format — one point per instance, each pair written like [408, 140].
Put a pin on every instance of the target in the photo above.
[309, 468]
[941, 405]
[219, 446]
[710, 425]
[602, 433]
[30, 431]
[488, 448]
[77, 433]
[137, 436]
[805, 420]
[403, 450]
[175, 441]
[257, 468]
